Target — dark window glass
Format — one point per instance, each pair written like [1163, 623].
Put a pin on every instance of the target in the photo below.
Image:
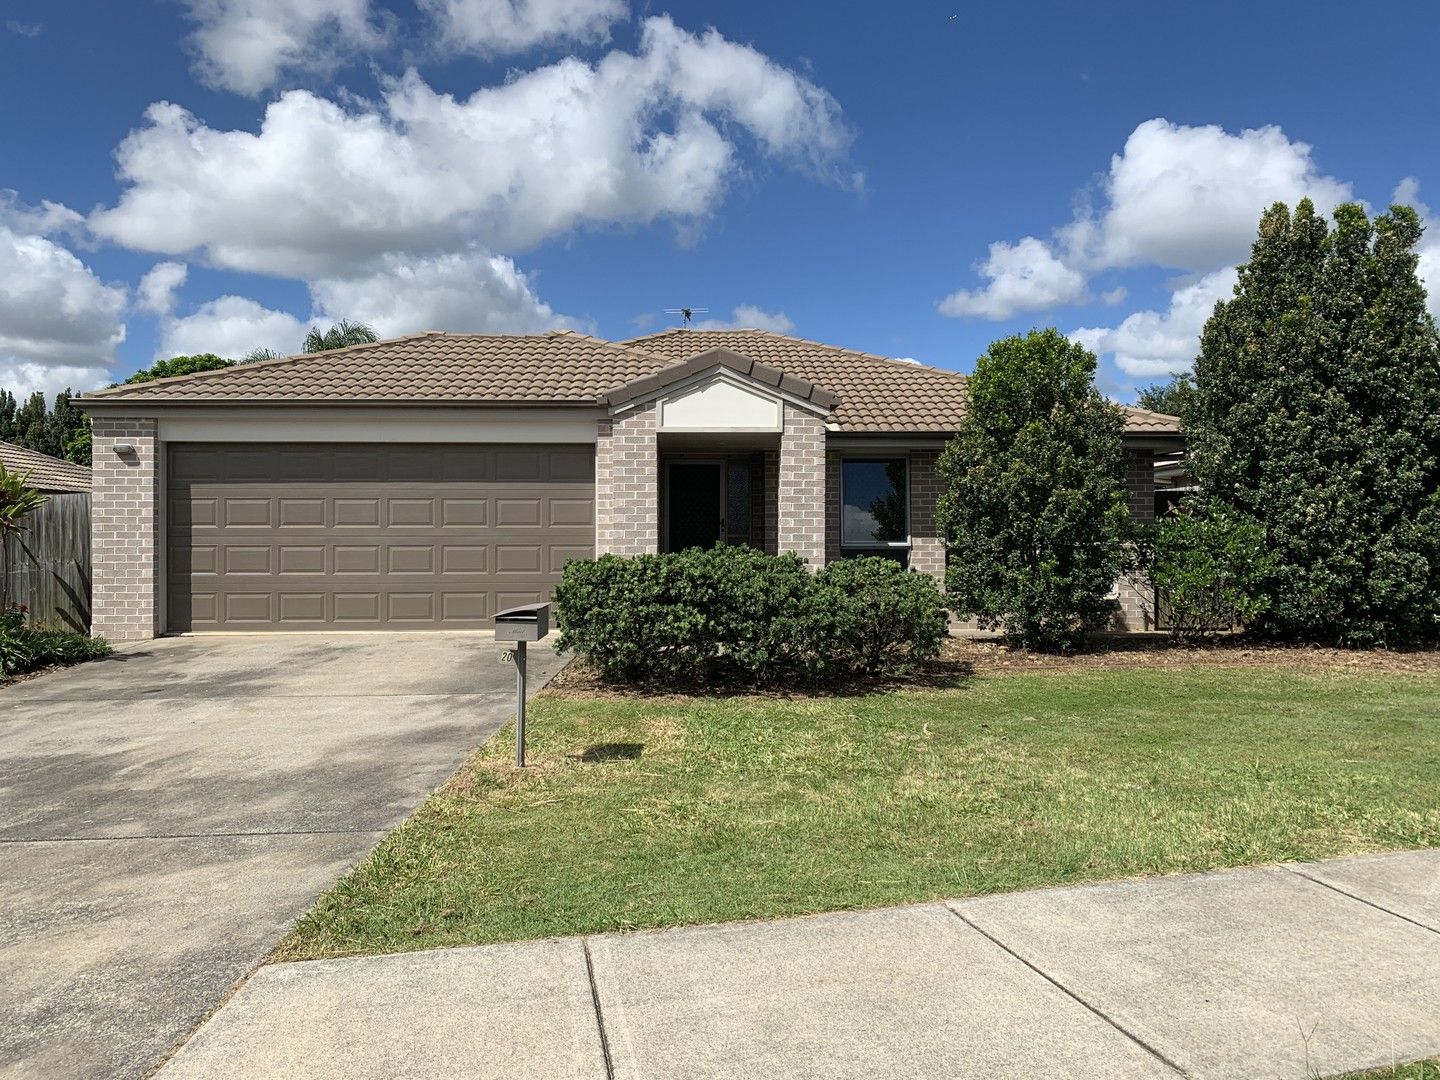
[875, 499]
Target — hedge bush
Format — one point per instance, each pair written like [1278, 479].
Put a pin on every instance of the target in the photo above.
[1209, 571]
[735, 616]
[26, 648]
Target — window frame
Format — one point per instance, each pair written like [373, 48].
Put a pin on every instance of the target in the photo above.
[877, 545]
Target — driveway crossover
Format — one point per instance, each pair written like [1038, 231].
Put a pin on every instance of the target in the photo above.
[166, 814]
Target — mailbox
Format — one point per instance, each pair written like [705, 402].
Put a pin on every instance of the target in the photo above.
[528, 622]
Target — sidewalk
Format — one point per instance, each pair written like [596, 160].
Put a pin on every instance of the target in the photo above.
[1296, 971]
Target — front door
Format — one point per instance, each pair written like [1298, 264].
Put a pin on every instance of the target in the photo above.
[695, 499]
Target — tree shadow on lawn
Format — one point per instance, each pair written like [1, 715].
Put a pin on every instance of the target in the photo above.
[580, 680]
[613, 751]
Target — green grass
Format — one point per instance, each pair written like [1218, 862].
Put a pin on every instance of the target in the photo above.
[644, 813]
[27, 648]
[1420, 1070]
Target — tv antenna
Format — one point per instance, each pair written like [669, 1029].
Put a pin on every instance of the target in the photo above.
[687, 313]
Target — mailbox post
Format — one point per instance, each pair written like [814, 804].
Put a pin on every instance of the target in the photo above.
[523, 624]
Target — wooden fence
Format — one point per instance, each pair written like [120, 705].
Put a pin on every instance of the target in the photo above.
[49, 563]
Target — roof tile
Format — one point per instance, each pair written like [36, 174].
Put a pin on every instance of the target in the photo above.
[876, 394]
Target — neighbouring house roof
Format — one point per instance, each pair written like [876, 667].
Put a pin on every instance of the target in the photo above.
[44, 473]
[867, 394]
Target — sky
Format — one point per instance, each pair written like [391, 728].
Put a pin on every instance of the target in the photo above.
[914, 179]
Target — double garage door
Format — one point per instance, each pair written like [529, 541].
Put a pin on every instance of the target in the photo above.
[370, 537]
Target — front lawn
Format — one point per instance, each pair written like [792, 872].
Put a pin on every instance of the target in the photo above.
[1420, 1070]
[657, 812]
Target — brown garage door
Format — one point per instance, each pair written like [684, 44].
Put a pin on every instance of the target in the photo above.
[342, 537]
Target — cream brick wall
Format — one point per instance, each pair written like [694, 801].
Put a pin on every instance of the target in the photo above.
[125, 541]
[627, 484]
[801, 485]
[927, 548]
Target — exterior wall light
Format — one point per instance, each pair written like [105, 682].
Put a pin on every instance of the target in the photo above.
[123, 448]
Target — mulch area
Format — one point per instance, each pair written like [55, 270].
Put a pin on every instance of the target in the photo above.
[964, 658]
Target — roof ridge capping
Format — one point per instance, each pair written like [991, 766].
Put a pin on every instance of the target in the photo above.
[796, 339]
[721, 357]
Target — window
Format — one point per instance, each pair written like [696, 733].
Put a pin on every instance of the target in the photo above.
[874, 503]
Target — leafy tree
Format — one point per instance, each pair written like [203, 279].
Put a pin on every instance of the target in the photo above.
[1174, 398]
[180, 365]
[339, 336]
[259, 354]
[70, 429]
[55, 431]
[1317, 416]
[1034, 508]
[31, 429]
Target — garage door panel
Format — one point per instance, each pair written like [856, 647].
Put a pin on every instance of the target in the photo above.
[348, 537]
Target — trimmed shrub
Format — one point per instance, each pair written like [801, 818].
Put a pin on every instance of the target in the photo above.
[734, 616]
[1209, 572]
[26, 648]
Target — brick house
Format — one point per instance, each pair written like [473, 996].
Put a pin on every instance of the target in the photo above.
[427, 481]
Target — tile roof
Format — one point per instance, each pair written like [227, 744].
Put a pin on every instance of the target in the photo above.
[44, 473]
[463, 368]
[876, 394]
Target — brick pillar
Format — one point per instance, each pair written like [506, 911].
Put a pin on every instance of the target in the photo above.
[1137, 601]
[833, 465]
[802, 485]
[769, 499]
[124, 529]
[627, 484]
[927, 547]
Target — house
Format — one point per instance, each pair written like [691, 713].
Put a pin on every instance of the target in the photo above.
[50, 475]
[428, 481]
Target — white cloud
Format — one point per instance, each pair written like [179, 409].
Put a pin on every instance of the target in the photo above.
[633, 138]
[1190, 198]
[231, 326]
[1407, 193]
[1022, 277]
[59, 323]
[508, 26]
[1176, 196]
[462, 292]
[249, 46]
[156, 291]
[1154, 344]
[750, 317]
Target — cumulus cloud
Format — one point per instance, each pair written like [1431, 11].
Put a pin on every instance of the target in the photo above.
[1025, 276]
[470, 291]
[248, 46]
[156, 291]
[492, 27]
[1176, 196]
[750, 317]
[1155, 344]
[633, 138]
[1189, 198]
[231, 326]
[59, 323]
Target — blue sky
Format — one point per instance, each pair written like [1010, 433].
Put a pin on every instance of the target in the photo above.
[914, 179]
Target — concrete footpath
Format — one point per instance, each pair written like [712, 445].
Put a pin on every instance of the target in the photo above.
[1288, 971]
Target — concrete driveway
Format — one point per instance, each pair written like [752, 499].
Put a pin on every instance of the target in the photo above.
[166, 814]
